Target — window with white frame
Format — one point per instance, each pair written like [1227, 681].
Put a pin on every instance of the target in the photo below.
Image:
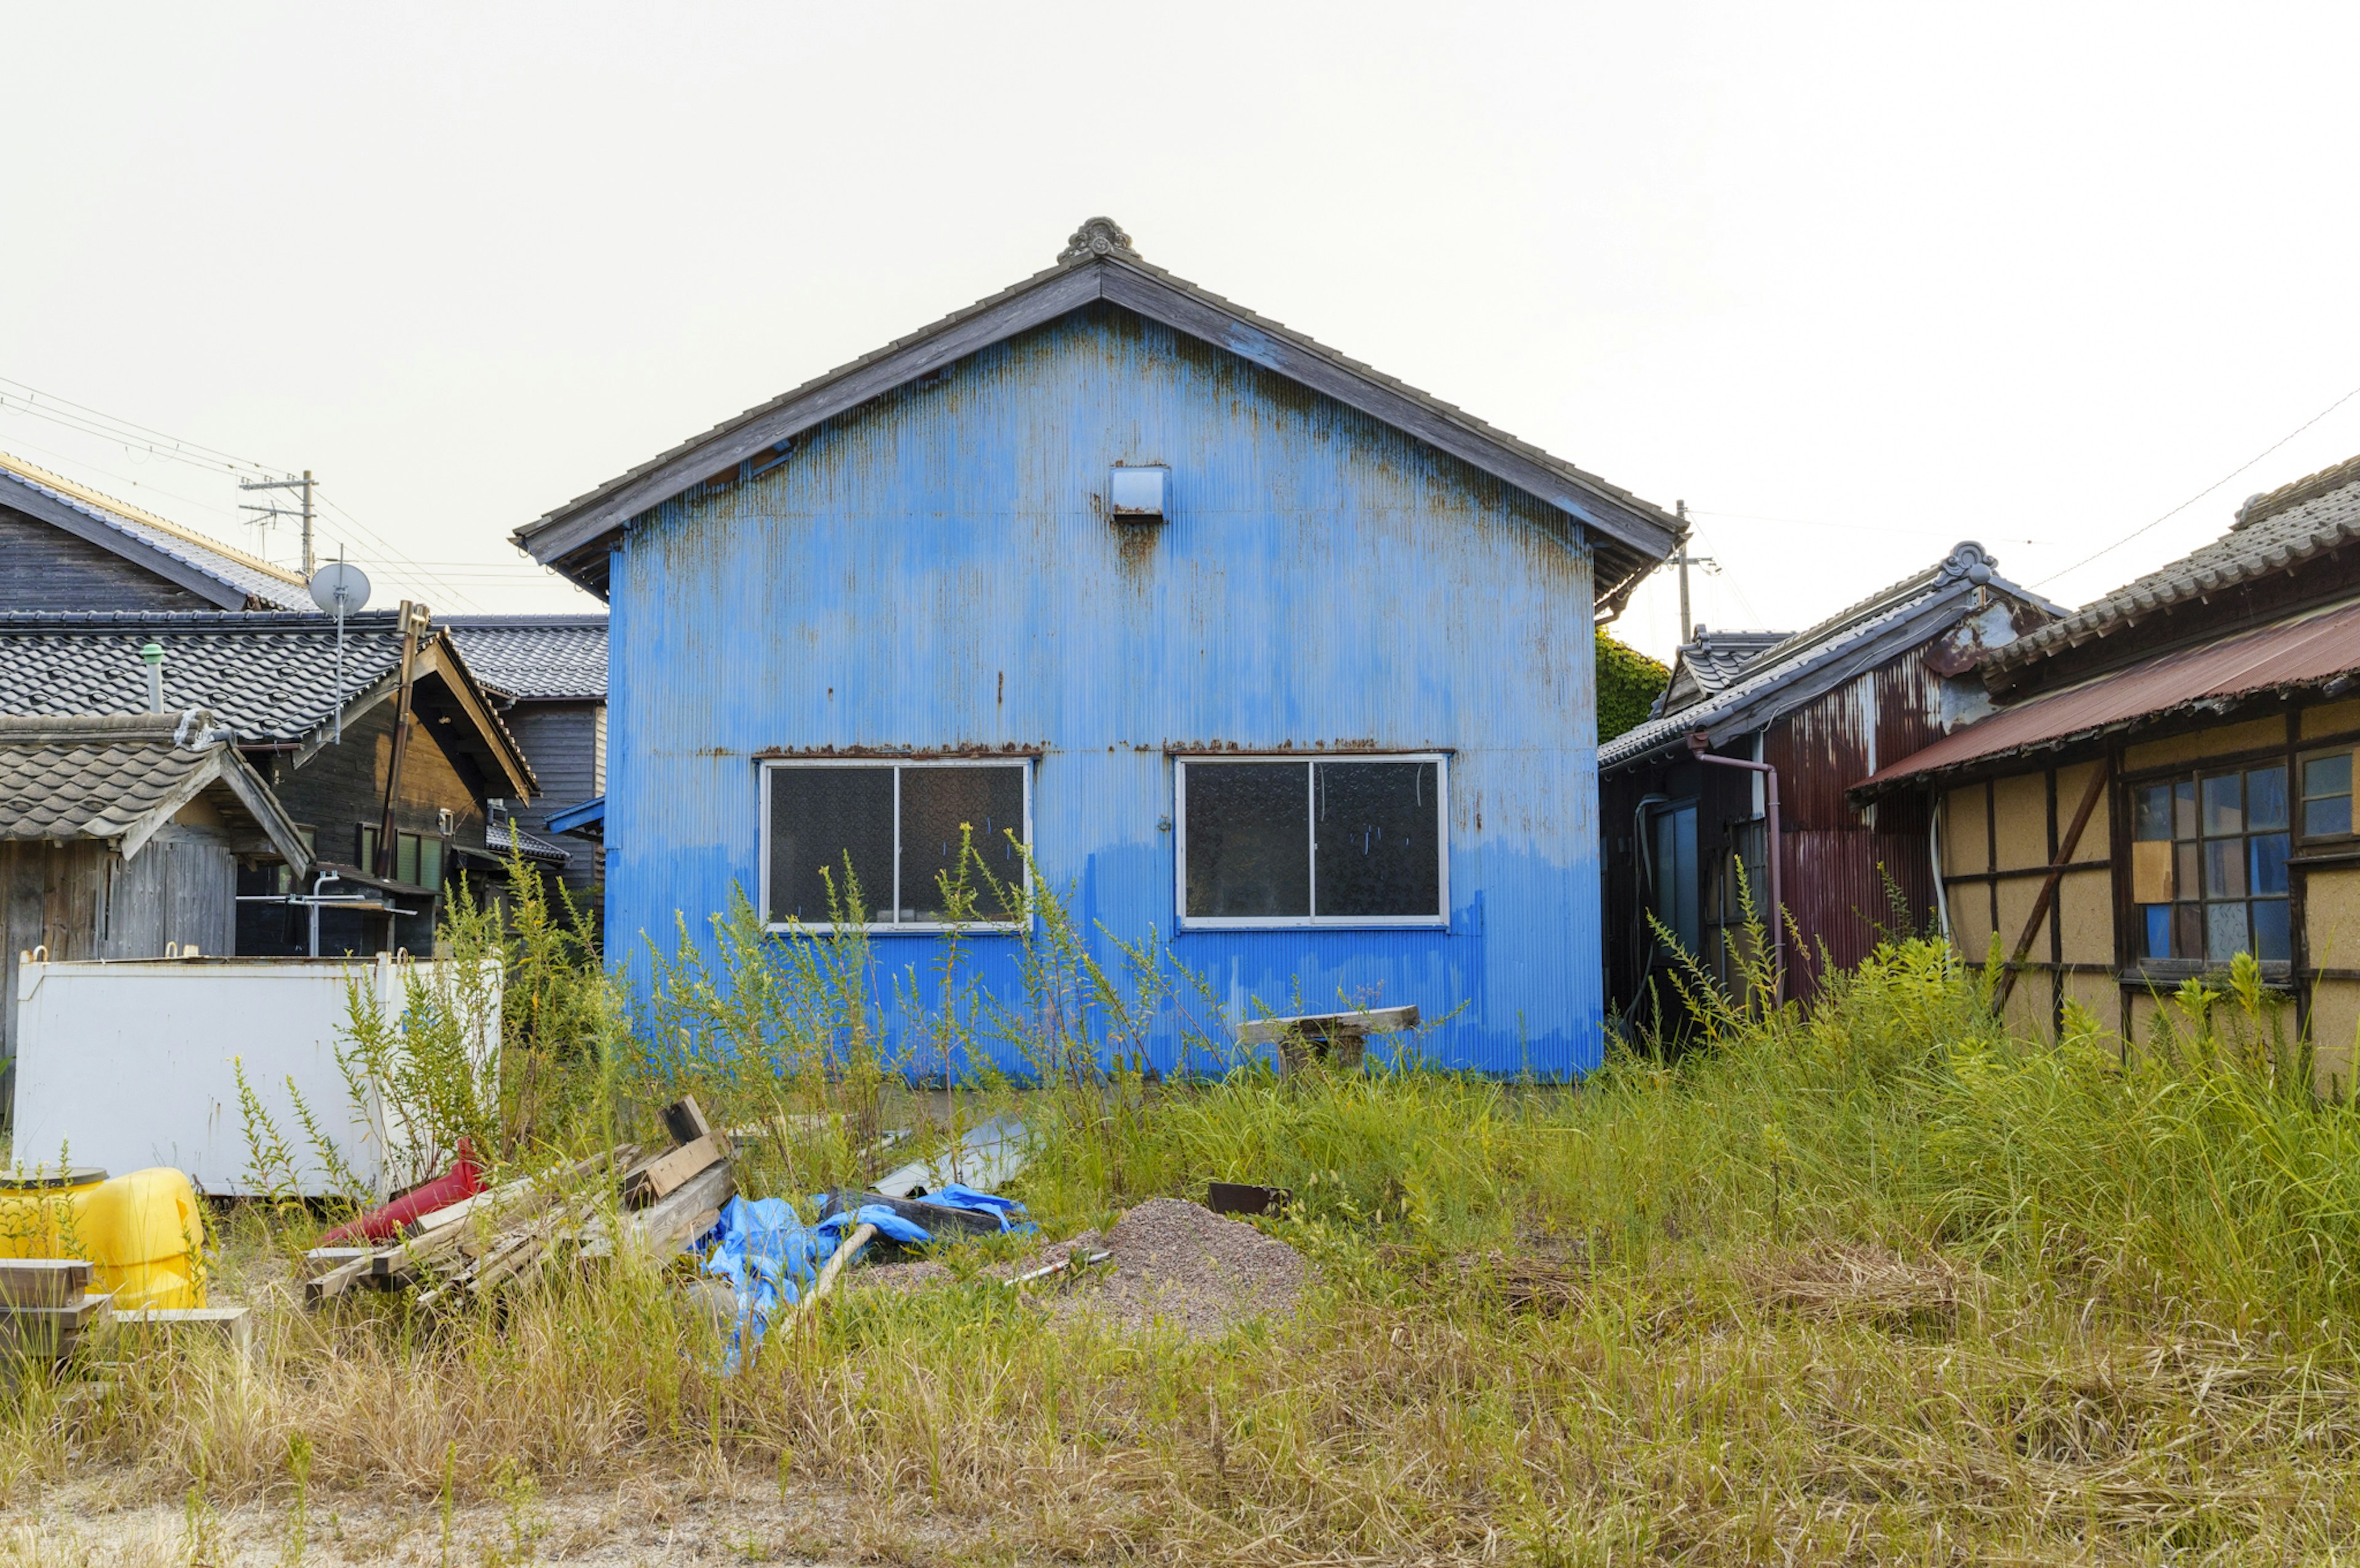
[899, 830]
[1312, 842]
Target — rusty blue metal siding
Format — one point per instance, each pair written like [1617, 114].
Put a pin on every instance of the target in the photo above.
[935, 571]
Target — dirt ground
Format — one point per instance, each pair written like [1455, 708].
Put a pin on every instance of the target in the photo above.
[705, 1520]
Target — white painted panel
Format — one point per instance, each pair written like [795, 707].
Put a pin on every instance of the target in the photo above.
[129, 1063]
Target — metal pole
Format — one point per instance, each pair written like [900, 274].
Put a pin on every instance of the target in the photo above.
[1687, 626]
[306, 525]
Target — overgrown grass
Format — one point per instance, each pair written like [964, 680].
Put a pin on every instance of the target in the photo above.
[1862, 1280]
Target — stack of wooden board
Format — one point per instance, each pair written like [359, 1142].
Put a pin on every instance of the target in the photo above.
[510, 1232]
[46, 1307]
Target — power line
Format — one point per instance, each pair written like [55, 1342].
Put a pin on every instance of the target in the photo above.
[1855, 527]
[2207, 490]
[130, 432]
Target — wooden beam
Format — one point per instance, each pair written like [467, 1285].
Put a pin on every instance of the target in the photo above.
[388, 837]
[2048, 895]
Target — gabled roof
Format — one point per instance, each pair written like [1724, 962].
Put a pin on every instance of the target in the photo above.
[502, 838]
[1815, 661]
[121, 778]
[230, 578]
[1099, 263]
[1711, 665]
[2274, 532]
[535, 657]
[272, 678]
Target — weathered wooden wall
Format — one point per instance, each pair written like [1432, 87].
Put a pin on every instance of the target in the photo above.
[566, 744]
[49, 568]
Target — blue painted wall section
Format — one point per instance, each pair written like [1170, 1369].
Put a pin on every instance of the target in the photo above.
[936, 571]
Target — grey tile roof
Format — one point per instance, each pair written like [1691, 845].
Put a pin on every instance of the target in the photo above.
[500, 837]
[1789, 673]
[1711, 665]
[534, 656]
[92, 777]
[270, 677]
[271, 587]
[1100, 243]
[2274, 532]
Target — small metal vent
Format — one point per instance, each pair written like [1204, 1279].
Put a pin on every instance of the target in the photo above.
[1138, 495]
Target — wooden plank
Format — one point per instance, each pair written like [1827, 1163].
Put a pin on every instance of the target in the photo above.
[42, 1281]
[665, 1222]
[684, 1120]
[667, 1175]
[1368, 1021]
[2048, 895]
[179, 1325]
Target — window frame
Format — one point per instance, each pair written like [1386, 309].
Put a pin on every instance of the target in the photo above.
[1183, 921]
[771, 765]
[2297, 801]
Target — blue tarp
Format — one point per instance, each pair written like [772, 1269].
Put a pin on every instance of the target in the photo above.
[770, 1256]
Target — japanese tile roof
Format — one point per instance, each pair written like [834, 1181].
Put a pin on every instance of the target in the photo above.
[500, 837]
[262, 584]
[91, 777]
[1711, 664]
[2274, 532]
[270, 677]
[1099, 262]
[1813, 660]
[534, 656]
[2318, 649]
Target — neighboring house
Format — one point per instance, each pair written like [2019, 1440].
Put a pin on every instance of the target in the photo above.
[1260, 650]
[2167, 783]
[1709, 663]
[70, 548]
[547, 676]
[1809, 715]
[121, 836]
[273, 681]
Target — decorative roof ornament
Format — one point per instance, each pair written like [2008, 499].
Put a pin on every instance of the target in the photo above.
[1969, 561]
[1096, 237]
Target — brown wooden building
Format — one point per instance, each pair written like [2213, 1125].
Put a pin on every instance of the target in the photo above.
[1746, 731]
[2167, 783]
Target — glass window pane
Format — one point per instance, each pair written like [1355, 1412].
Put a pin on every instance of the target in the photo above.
[2324, 775]
[2225, 869]
[818, 817]
[2188, 880]
[2153, 818]
[2271, 940]
[936, 803]
[2224, 931]
[1248, 840]
[405, 858]
[2183, 809]
[2265, 798]
[1377, 833]
[2224, 804]
[2320, 818]
[2188, 930]
[2156, 923]
[2268, 862]
[429, 862]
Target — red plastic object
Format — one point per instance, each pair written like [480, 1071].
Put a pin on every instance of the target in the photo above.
[463, 1179]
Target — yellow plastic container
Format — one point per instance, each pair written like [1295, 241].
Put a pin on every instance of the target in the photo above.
[142, 1233]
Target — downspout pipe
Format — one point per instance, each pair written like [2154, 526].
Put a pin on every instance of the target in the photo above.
[1701, 747]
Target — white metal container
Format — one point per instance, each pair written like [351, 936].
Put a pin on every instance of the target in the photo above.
[131, 1063]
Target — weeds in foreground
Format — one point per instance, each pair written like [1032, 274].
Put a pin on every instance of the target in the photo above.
[1862, 1278]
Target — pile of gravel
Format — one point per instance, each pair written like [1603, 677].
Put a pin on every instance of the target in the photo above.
[1181, 1265]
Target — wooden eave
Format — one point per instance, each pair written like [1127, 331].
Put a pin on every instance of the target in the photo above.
[442, 661]
[1631, 536]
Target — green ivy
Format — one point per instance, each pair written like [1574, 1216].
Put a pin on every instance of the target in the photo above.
[1628, 684]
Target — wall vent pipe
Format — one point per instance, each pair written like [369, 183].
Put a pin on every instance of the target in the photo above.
[152, 654]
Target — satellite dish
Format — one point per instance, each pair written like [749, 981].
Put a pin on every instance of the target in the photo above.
[339, 585]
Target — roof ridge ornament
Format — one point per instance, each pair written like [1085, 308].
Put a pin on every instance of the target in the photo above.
[1096, 237]
[1969, 561]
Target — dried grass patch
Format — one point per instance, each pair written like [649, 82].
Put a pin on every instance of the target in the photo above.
[1863, 1284]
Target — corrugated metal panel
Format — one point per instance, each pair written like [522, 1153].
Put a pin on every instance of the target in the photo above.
[933, 571]
[2313, 649]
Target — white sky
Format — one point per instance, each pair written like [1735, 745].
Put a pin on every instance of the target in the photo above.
[1855, 282]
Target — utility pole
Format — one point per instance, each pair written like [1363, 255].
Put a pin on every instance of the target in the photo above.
[289, 483]
[1684, 560]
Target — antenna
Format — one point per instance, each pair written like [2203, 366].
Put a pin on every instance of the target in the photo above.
[341, 588]
[271, 514]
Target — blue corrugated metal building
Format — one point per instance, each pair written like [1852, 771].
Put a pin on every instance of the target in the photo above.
[1261, 651]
